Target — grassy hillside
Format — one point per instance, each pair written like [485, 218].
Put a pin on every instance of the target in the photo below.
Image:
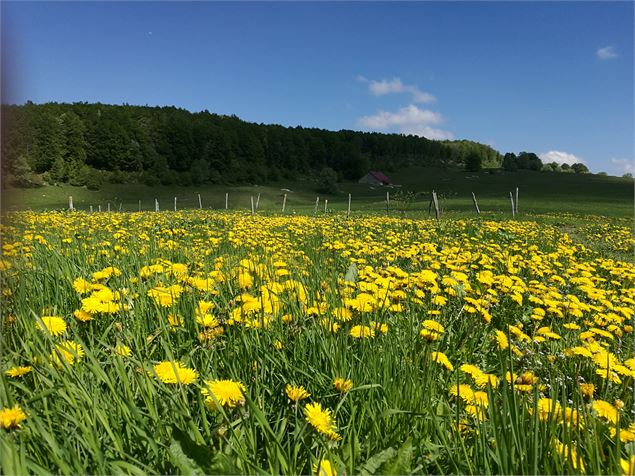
[539, 193]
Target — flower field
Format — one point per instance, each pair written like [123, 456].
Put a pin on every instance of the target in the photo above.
[207, 342]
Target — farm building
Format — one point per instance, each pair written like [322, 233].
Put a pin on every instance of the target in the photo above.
[375, 178]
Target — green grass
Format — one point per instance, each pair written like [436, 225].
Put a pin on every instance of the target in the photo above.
[538, 193]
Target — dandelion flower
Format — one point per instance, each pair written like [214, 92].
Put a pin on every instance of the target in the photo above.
[605, 410]
[587, 390]
[123, 350]
[362, 332]
[342, 385]
[441, 358]
[321, 420]
[10, 418]
[175, 372]
[54, 325]
[227, 393]
[325, 468]
[18, 371]
[67, 351]
[82, 315]
[296, 393]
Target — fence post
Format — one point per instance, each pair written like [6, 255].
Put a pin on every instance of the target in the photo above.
[226, 200]
[120, 205]
[387, 201]
[70, 203]
[200, 203]
[108, 206]
[511, 197]
[91, 209]
[258, 201]
[317, 202]
[284, 202]
[348, 212]
[478, 211]
[98, 208]
[516, 201]
[326, 205]
[436, 204]
[252, 205]
[140, 206]
[174, 203]
[156, 205]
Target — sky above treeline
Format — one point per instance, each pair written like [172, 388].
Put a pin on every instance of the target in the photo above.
[555, 78]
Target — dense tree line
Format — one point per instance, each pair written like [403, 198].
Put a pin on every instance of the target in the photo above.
[83, 143]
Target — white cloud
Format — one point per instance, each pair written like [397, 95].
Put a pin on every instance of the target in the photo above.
[408, 120]
[560, 157]
[606, 53]
[394, 85]
[624, 165]
[428, 132]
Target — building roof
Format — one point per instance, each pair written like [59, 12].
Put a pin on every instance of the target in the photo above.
[380, 176]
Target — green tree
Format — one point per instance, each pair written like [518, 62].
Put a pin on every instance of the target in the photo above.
[510, 163]
[327, 182]
[579, 168]
[473, 162]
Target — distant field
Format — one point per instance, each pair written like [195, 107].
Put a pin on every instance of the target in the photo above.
[539, 193]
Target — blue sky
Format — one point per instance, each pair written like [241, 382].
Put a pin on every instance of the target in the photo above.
[548, 77]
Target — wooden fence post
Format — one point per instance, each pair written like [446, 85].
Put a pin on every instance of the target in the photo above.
[436, 204]
[284, 202]
[317, 202]
[226, 200]
[257, 201]
[99, 208]
[511, 197]
[200, 203]
[139, 205]
[174, 203]
[91, 209]
[108, 206]
[387, 201]
[478, 211]
[156, 205]
[70, 203]
[348, 212]
[516, 201]
[252, 205]
[120, 205]
[326, 205]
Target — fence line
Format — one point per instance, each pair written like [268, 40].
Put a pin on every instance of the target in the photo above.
[393, 205]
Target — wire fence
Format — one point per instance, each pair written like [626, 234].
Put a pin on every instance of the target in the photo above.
[433, 203]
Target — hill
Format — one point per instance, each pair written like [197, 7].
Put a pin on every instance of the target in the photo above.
[90, 144]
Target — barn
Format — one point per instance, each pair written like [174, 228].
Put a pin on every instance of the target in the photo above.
[375, 178]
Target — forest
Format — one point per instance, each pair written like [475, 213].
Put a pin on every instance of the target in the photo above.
[85, 144]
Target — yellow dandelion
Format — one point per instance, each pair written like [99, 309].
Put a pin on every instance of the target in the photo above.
[18, 371]
[627, 435]
[501, 340]
[10, 418]
[296, 393]
[175, 372]
[55, 325]
[67, 351]
[123, 350]
[362, 332]
[82, 315]
[587, 390]
[628, 466]
[441, 358]
[605, 410]
[321, 420]
[342, 385]
[227, 393]
[325, 468]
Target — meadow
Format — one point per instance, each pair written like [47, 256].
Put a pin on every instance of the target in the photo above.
[580, 194]
[204, 341]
